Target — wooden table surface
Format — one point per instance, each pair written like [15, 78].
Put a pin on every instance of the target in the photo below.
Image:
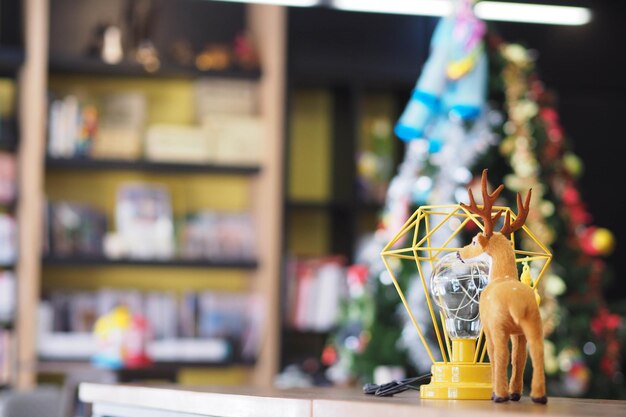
[323, 402]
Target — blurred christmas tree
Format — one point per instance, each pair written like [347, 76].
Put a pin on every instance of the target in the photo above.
[583, 339]
[583, 336]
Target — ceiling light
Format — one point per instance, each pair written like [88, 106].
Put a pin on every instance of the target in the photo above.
[532, 13]
[487, 10]
[421, 7]
[293, 3]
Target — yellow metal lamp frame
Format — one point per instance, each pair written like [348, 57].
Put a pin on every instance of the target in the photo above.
[462, 372]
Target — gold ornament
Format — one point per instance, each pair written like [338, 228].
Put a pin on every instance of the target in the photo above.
[603, 241]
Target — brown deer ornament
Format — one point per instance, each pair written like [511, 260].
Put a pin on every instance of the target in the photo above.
[508, 309]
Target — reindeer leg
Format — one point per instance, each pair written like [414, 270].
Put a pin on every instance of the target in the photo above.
[518, 362]
[500, 361]
[532, 331]
[493, 366]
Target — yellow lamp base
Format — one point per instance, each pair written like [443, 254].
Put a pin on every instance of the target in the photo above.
[460, 379]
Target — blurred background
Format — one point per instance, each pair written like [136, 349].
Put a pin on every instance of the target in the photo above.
[190, 189]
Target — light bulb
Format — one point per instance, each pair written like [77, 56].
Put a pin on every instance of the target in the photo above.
[456, 287]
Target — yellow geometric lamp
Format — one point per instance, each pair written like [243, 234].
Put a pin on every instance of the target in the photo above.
[459, 369]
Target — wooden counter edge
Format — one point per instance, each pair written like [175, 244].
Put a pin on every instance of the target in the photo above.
[195, 402]
[327, 402]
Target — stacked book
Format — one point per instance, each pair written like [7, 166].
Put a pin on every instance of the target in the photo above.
[193, 326]
[315, 289]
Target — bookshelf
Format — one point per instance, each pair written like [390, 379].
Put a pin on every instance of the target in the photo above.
[252, 187]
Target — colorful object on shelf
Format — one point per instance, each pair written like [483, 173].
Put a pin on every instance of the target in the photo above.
[214, 57]
[244, 52]
[453, 81]
[461, 373]
[181, 52]
[137, 337]
[147, 56]
[121, 339]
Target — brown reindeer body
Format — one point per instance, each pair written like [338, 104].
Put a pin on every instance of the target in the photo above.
[508, 308]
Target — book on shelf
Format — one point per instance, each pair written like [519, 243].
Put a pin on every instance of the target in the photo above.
[8, 239]
[187, 316]
[315, 288]
[7, 352]
[225, 96]
[121, 126]
[218, 236]
[160, 308]
[236, 139]
[8, 133]
[143, 219]
[178, 143]
[8, 294]
[75, 229]
[71, 127]
[227, 128]
[195, 326]
[8, 119]
[145, 230]
[220, 315]
[109, 126]
[253, 332]
[227, 110]
[8, 184]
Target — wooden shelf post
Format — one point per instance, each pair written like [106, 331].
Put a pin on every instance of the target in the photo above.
[32, 120]
[268, 27]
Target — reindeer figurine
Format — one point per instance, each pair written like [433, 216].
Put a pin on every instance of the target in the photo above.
[508, 308]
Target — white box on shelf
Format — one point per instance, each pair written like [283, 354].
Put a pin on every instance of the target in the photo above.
[64, 346]
[189, 350]
[238, 139]
[178, 143]
[117, 143]
[221, 95]
[82, 346]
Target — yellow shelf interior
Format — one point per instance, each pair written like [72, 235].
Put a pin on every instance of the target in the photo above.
[310, 165]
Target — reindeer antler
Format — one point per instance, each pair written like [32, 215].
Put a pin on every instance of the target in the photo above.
[488, 200]
[522, 213]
